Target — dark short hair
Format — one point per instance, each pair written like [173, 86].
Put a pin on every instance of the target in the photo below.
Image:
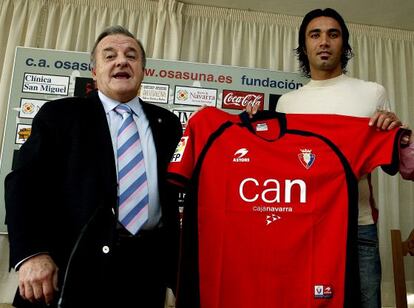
[300, 51]
[113, 31]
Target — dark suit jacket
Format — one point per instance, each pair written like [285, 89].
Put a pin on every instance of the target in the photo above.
[62, 195]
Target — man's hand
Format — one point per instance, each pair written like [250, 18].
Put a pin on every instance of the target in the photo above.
[38, 279]
[385, 120]
[252, 110]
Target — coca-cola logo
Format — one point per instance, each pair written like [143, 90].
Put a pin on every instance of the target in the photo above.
[240, 99]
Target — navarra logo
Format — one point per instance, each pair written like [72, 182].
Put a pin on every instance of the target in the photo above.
[182, 95]
[239, 156]
[307, 158]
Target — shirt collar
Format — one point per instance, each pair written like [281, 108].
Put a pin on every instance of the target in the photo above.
[327, 82]
[109, 104]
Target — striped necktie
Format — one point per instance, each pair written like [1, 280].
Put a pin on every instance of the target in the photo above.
[132, 179]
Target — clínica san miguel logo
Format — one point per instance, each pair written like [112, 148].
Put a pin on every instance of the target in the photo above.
[307, 158]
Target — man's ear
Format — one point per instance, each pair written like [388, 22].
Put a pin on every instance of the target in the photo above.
[94, 73]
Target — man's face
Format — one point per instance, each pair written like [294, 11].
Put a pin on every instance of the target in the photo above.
[118, 70]
[324, 46]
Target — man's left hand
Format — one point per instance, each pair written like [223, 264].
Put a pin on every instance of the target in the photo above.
[385, 120]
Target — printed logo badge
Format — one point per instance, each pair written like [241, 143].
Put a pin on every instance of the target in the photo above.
[155, 93]
[195, 96]
[238, 100]
[271, 219]
[182, 95]
[307, 158]
[323, 291]
[261, 127]
[28, 108]
[240, 156]
[179, 150]
[327, 292]
[23, 132]
[318, 291]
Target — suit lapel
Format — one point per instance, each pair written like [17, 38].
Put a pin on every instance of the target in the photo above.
[101, 136]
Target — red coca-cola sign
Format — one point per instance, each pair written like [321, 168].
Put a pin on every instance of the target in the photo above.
[240, 99]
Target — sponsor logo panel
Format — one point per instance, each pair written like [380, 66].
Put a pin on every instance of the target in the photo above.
[29, 107]
[45, 84]
[193, 96]
[22, 133]
[272, 197]
[154, 92]
[238, 100]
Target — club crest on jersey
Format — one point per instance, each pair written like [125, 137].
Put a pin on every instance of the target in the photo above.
[307, 158]
[240, 156]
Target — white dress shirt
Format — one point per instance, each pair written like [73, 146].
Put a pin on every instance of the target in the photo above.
[148, 149]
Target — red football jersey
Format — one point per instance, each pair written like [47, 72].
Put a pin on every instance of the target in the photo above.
[270, 216]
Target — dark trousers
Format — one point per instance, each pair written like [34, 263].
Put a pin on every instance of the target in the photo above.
[369, 266]
[138, 273]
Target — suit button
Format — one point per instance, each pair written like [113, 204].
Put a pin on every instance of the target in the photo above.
[105, 249]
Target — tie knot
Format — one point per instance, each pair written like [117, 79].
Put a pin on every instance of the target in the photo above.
[123, 109]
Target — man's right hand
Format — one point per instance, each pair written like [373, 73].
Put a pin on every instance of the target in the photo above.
[38, 279]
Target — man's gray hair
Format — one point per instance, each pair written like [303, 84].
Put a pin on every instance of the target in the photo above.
[113, 31]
